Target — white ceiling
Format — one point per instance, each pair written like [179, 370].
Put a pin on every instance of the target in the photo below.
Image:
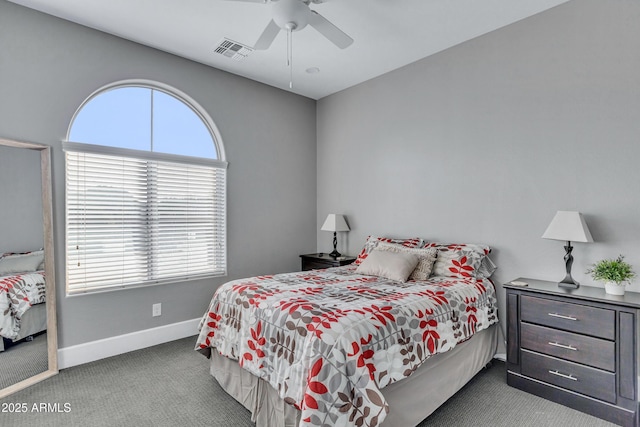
[388, 34]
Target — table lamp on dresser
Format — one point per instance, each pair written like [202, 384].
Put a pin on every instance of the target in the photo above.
[570, 227]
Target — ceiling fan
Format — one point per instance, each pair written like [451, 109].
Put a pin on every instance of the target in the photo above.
[294, 15]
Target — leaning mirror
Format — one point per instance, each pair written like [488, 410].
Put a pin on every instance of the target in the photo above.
[28, 346]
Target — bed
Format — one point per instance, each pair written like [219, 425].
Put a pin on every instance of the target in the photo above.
[385, 340]
[22, 296]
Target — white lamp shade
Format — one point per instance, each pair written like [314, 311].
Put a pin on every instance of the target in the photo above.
[569, 226]
[335, 222]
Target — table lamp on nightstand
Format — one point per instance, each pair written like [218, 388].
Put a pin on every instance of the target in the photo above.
[570, 227]
[335, 223]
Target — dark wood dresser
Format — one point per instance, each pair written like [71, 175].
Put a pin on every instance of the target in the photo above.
[575, 347]
[323, 260]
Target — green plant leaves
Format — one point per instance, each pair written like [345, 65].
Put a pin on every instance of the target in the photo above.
[612, 270]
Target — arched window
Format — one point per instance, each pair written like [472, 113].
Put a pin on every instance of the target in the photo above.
[145, 190]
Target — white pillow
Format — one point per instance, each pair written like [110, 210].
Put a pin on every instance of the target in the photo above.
[426, 258]
[21, 263]
[392, 265]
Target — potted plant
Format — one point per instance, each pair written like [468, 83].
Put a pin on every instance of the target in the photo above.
[614, 273]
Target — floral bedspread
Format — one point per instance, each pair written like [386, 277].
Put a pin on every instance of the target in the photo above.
[17, 294]
[329, 340]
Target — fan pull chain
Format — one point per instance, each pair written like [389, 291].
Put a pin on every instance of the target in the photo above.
[290, 55]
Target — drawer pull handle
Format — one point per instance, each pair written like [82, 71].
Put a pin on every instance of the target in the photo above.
[568, 377]
[566, 347]
[562, 317]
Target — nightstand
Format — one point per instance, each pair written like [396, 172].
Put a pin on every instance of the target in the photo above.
[576, 347]
[323, 260]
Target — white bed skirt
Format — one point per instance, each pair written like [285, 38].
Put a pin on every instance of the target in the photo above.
[410, 400]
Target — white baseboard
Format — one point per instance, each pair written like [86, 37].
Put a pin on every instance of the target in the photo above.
[100, 349]
[500, 356]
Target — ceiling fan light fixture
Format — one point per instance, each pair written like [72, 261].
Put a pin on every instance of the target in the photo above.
[286, 12]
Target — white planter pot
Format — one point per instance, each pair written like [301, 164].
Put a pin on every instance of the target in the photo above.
[613, 288]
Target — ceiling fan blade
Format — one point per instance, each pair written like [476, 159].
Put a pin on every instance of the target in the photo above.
[267, 37]
[330, 31]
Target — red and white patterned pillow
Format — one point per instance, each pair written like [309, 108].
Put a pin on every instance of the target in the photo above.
[372, 242]
[461, 260]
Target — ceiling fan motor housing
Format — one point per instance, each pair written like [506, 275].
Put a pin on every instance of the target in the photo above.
[291, 14]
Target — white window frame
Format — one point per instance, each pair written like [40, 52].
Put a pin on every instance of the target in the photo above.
[219, 164]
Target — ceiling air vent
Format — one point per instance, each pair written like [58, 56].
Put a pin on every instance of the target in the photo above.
[233, 50]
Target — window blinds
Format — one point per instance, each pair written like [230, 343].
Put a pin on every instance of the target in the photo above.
[135, 221]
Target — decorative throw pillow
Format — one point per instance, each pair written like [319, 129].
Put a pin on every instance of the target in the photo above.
[372, 242]
[20, 263]
[392, 265]
[39, 268]
[459, 260]
[486, 269]
[426, 258]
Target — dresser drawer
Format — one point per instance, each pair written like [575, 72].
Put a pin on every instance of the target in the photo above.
[582, 349]
[584, 319]
[571, 376]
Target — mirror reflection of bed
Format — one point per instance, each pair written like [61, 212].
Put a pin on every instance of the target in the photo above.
[23, 314]
[23, 318]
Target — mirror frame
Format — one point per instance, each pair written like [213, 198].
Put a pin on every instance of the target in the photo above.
[49, 266]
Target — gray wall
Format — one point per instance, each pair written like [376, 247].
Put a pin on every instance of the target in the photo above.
[49, 66]
[484, 142]
[480, 143]
[21, 226]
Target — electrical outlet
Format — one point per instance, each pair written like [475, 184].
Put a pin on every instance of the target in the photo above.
[156, 310]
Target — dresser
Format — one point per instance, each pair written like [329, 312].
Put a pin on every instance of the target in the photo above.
[323, 260]
[576, 347]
